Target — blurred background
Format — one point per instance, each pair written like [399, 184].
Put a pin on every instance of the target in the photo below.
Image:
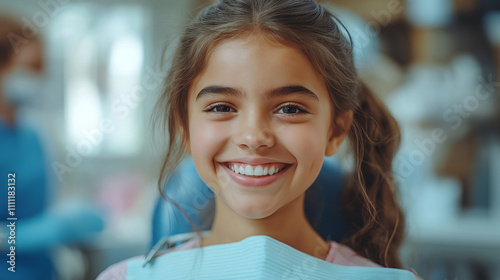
[94, 70]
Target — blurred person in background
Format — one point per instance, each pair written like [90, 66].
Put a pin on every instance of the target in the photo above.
[37, 231]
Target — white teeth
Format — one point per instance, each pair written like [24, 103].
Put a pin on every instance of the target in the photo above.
[271, 170]
[258, 171]
[249, 170]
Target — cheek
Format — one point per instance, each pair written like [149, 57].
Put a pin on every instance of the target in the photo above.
[206, 140]
[201, 139]
[308, 149]
[305, 142]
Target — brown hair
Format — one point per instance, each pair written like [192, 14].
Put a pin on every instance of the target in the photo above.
[376, 222]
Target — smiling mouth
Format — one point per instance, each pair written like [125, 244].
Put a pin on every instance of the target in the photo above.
[263, 170]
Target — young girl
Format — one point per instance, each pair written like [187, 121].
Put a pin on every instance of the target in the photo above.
[258, 93]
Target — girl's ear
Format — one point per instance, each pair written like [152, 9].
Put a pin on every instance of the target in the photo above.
[338, 131]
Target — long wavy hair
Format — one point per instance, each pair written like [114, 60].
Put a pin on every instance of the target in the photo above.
[375, 220]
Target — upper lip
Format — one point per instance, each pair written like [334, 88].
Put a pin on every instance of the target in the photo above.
[255, 161]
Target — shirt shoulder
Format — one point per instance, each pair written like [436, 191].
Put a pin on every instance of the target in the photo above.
[344, 255]
[117, 271]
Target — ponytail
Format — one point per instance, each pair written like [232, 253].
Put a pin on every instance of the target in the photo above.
[376, 221]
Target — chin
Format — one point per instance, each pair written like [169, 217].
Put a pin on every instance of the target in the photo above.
[254, 216]
[252, 209]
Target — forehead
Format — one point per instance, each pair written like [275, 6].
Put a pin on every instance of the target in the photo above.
[257, 63]
[254, 45]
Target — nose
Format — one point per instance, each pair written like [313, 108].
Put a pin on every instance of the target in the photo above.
[254, 133]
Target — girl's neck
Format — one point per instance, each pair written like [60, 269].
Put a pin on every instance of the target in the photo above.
[288, 225]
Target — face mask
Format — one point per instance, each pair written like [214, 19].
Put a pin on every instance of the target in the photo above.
[22, 88]
[256, 257]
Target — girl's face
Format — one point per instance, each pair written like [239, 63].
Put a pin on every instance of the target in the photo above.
[260, 122]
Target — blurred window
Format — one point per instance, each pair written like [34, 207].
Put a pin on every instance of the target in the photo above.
[102, 57]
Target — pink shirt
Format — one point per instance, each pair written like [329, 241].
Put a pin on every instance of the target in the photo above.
[338, 254]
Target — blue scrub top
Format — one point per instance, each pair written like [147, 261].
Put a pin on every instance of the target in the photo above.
[21, 152]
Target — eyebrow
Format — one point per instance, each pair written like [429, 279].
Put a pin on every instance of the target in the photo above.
[281, 91]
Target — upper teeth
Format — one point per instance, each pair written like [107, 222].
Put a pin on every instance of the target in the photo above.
[250, 170]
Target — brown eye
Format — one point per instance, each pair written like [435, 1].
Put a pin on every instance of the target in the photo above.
[220, 108]
[291, 110]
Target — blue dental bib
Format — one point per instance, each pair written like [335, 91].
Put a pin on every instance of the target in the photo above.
[256, 257]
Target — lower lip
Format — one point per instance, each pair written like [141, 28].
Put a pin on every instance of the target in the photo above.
[253, 181]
